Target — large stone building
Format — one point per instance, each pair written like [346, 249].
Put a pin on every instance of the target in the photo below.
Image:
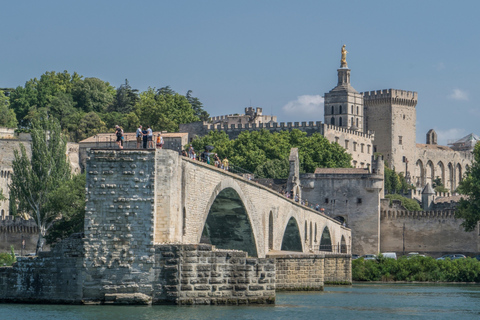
[365, 123]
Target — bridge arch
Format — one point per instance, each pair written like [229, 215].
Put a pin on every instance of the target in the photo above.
[343, 245]
[326, 240]
[227, 220]
[292, 241]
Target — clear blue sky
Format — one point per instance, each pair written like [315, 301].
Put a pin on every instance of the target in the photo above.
[268, 54]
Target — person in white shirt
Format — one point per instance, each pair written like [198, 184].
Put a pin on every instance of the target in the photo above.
[149, 138]
[139, 135]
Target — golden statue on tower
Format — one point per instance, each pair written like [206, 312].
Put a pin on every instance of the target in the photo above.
[343, 61]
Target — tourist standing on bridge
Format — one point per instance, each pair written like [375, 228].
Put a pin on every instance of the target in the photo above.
[159, 141]
[225, 164]
[139, 136]
[144, 137]
[150, 138]
[119, 134]
[190, 152]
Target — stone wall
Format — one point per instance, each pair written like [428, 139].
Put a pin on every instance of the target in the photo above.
[352, 197]
[338, 269]
[196, 274]
[310, 272]
[119, 219]
[432, 232]
[11, 232]
[298, 272]
[52, 277]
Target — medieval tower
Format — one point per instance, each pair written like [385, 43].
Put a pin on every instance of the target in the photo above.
[343, 105]
[391, 114]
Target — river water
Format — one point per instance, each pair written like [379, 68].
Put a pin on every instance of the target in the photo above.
[360, 301]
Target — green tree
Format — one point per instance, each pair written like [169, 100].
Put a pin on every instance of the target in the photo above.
[275, 169]
[88, 125]
[125, 99]
[409, 204]
[438, 185]
[163, 110]
[197, 107]
[8, 118]
[93, 94]
[253, 150]
[34, 178]
[469, 205]
[68, 201]
[39, 93]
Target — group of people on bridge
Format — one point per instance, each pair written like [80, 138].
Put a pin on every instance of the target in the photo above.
[207, 157]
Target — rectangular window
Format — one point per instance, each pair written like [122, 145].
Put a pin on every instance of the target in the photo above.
[354, 146]
[374, 149]
[359, 200]
[354, 164]
[346, 144]
[362, 146]
[400, 138]
[368, 148]
[336, 139]
[326, 200]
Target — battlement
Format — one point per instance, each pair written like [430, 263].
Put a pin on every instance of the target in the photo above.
[224, 117]
[405, 214]
[11, 224]
[369, 135]
[402, 97]
[390, 93]
[267, 125]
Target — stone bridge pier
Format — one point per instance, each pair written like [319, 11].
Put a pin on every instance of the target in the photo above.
[160, 228]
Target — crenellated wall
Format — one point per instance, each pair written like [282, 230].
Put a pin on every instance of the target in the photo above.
[432, 232]
[14, 230]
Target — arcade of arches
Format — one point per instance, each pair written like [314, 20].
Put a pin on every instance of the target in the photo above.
[450, 174]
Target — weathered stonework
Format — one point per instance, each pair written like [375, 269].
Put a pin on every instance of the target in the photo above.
[141, 247]
[435, 232]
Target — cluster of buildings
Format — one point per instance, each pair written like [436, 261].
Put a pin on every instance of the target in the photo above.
[376, 128]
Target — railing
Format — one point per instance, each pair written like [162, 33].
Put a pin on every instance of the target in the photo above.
[327, 248]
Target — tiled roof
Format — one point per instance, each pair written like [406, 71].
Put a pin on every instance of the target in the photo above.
[433, 146]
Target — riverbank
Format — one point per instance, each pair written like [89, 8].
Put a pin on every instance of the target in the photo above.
[418, 269]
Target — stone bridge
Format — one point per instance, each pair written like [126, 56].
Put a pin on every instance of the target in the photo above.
[194, 202]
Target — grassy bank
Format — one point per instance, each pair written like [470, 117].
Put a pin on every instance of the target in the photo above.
[416, 269]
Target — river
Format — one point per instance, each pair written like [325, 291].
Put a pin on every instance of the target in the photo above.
[360, 301]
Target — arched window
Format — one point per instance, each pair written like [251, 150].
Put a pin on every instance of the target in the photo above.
[357, 110]
[357, 122]
[351, 109]
[332, 121]
[352, 121]
[340, 122]
[333, 110]
[340, 109]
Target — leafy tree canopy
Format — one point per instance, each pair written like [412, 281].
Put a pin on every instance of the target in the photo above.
[469, 206]
[68, 200]
[71, 99]
[409, 204]
[262, 151]
[35, 177]
[8, 118]
[164, 110]
[395, 183]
